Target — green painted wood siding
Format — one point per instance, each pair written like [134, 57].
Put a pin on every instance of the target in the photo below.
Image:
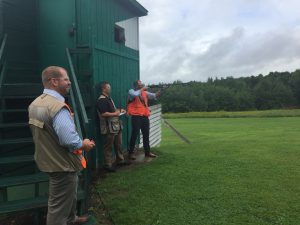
[111, 61]
[19, 22]
[56, 18]
[31, 35]
[1, 21]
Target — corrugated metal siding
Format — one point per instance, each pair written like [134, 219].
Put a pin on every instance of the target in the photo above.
[155, 127]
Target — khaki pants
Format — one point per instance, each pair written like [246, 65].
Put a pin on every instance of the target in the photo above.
[62, 198]
[111, 140]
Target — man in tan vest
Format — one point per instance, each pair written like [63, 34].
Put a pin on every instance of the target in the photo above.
[111, 128]
[58, 147]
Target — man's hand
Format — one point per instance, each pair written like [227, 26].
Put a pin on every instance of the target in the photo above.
[117, 112]
[88, 145]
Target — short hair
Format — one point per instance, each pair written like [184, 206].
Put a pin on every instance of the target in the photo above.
[103, 85]
[51, 72]
[135, 83]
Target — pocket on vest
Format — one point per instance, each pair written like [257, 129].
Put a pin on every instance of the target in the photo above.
[114, 125]
[36, 123]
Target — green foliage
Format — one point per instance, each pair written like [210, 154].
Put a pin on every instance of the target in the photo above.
[274, 91]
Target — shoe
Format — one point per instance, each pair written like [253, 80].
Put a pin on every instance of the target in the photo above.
[81, 219]
[150, 155]
[131, 157]
[110, 169]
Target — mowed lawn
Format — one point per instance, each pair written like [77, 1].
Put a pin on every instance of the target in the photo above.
[236, 171]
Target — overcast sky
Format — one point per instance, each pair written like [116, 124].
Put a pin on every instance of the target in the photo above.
[196, 39]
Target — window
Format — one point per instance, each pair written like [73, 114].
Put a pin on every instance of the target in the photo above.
[129, 33]
[120, 34]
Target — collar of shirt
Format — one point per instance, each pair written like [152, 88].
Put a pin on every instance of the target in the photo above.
[110, 100]
[54, 94]
[106, 96]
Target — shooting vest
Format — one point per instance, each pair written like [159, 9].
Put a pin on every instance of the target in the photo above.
[49, 155]
[139, 106]
[109, 125]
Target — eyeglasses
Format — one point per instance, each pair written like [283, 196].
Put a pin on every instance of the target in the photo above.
[65, 79]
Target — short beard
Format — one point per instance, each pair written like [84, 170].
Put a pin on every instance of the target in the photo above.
[64, 91]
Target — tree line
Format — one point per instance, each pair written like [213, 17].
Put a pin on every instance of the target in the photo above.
[276, 90]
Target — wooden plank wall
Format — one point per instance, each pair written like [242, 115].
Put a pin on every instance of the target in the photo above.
[1, 22]
[19, 22]
[112, 61]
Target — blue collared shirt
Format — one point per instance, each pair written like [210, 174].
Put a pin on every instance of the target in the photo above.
[64, 125]
[133, 93]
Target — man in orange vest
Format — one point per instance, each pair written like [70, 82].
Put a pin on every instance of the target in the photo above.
[137, 106]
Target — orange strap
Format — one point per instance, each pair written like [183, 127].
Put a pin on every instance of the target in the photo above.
[83, 161]
[68, 107]
[79, 151]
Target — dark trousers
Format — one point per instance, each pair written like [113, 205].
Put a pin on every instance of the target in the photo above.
[140, 123]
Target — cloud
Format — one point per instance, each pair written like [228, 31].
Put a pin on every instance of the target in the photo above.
[194, 40]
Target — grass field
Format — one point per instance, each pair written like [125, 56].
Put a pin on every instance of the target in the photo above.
[235, 171]
[243, 114]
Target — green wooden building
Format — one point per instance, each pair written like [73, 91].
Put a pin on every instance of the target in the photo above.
[95, 40]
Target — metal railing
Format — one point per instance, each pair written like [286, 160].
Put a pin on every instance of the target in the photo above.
[77, 97]
[2, 61]
[80, 118]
